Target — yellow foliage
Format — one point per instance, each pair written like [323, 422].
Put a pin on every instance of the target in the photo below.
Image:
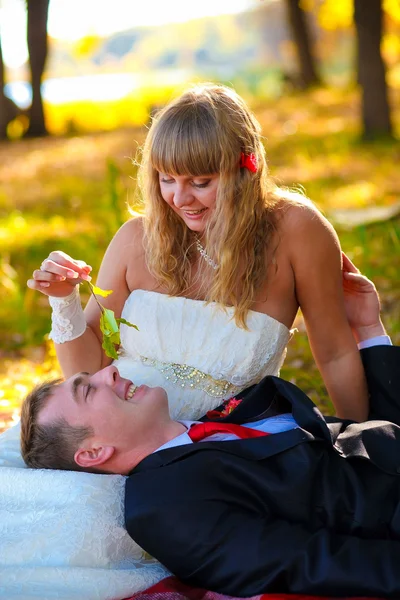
[17, 232]
[391, 47]
[17, 127]
[132, 110]
[86, 45]
[359, 194]
[307, 5]
[393, 77]
[18, 377]
[392, 7]
[331, 14]
[334, 14]
[8, 278]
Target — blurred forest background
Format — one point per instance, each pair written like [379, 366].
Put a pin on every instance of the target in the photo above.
[323, 77]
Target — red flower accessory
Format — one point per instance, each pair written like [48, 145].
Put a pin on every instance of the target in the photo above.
[229, 406]
[248, 161]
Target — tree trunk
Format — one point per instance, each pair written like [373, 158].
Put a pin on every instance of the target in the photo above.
[302, 39]
[368, 20]
[3, 102]
[37, 47]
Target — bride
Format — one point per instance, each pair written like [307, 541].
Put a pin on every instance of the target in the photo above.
[213, 276]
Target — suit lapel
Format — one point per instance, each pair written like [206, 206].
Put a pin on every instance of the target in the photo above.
[304, 411]
[257, 402]
[273, 396]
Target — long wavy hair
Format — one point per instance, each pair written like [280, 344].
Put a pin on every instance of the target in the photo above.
[204, 132]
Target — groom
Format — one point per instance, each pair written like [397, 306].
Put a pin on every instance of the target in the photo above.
[305, 505]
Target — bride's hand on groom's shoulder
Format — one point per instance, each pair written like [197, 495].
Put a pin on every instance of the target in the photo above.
[58, 274]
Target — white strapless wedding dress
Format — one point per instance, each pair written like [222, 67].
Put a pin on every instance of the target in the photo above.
[62, 534]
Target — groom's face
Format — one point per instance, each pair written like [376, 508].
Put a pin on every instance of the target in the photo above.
[118, 412]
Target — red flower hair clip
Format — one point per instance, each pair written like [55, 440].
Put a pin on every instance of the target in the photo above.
[248, 161]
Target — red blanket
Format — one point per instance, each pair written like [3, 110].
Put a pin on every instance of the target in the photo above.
[172, 589]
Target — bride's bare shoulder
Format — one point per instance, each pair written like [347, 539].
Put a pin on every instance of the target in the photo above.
[130, 234]
[296, 216]
[133, 227]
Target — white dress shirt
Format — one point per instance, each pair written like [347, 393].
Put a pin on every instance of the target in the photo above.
[277, 424]
[379, 340]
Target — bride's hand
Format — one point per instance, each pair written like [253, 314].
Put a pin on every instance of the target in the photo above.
[59, 274]
[361, 303]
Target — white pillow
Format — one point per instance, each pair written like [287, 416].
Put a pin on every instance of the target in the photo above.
[62, 534]
[10, 454]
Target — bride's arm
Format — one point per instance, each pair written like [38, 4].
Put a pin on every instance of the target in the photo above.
[315, 257]
[84, 353]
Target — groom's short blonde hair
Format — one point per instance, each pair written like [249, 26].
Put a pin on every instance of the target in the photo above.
[51, 445]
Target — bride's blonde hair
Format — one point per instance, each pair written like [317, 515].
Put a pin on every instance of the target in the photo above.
[203, 132]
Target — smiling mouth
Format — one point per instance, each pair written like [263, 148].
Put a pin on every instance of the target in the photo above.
[131, 391]
[195, 212]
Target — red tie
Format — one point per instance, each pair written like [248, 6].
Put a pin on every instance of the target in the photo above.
[202, 430]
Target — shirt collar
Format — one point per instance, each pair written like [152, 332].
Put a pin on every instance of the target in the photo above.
[181, 439]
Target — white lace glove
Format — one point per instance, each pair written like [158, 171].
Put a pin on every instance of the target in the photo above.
[67, 320]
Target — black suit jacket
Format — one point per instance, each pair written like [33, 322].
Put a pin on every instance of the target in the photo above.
[315, 510]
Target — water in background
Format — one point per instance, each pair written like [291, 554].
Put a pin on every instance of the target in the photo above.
[102, 87]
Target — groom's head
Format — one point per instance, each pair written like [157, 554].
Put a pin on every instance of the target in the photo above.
[99, 423]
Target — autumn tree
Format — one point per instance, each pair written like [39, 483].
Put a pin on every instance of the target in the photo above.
[302, 39]
[37, 48]
[368, 19]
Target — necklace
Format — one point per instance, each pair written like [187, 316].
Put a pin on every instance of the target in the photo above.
[203, 252]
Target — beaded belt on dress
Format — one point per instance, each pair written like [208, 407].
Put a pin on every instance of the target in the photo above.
[190, 377]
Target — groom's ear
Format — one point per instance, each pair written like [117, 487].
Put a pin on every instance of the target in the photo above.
[93, 457]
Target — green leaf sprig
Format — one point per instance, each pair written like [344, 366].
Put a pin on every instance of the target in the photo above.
[109, 324]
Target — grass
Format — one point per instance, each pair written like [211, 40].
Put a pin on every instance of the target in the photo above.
[71, 193]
